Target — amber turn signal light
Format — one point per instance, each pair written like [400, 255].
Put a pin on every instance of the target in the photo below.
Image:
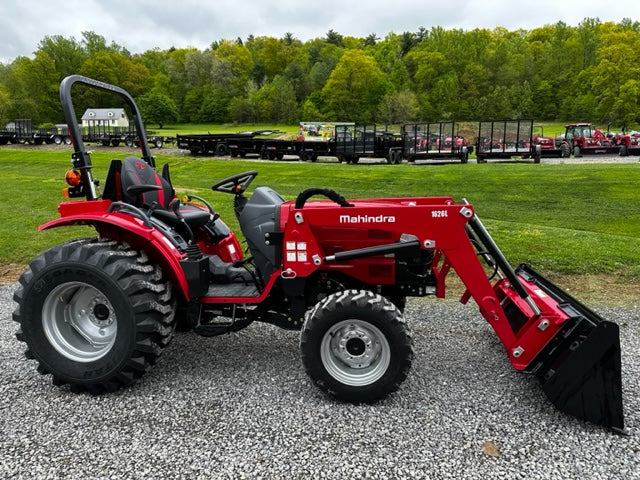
[72, 177]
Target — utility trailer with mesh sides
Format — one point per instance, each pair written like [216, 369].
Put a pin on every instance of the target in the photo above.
[355, 141]
[434, 141]
[508, 139]
[22, 131]
[7, 136]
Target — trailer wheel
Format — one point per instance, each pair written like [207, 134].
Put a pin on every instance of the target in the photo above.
[391, 157]
[57, 140]
[128, 142]
[94, 314]
[395, 157]
[158, 142]
[356, 346]
[221, 150]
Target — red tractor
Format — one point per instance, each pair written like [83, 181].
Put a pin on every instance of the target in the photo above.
[629, 143]
[96, 313]
[583, 139]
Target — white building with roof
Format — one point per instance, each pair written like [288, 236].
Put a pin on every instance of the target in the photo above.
[111, 117]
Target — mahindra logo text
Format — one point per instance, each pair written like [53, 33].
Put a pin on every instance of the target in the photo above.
[367, 219]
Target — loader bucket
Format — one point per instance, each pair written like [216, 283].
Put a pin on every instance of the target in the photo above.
[580, 367]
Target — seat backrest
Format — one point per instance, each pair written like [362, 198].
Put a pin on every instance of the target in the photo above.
[136, 171]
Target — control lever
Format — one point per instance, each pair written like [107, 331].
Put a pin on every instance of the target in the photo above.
[174, 206]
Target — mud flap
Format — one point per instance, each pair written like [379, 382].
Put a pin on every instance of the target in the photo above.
[580, 368]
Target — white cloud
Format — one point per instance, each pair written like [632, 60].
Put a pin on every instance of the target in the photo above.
[140, 25]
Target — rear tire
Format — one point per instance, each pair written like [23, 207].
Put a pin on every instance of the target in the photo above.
[624, 151]
[576, 152]
[356, 346]
[94, 314]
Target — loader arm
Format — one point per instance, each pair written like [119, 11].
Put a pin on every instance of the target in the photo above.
[574, 353]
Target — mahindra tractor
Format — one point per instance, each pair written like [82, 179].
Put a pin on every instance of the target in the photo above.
[95, 313]
[629, 144]
[583, 139]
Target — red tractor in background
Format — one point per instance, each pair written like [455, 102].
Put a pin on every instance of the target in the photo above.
[97, 312]
[629, 143]
[582, 139]
[547, 144]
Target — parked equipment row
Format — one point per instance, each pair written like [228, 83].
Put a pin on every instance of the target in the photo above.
[21, 131]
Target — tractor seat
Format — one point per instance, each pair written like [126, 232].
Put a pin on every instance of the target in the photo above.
[144, 188]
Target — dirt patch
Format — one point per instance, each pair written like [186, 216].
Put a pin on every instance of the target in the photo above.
[591, 290]
[10, 273]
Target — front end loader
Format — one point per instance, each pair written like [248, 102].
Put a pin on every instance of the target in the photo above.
[96, 313]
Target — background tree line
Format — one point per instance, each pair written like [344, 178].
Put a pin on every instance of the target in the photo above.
[555, 72]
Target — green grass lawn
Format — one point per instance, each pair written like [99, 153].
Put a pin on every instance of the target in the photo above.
[564, 219]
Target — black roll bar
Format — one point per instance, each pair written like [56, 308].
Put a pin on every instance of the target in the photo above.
[81, 158]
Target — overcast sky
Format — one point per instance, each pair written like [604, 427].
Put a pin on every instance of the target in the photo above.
[141, 25]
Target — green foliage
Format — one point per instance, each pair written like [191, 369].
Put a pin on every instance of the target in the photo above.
[354, 87]
[157, 108]
[554, 72]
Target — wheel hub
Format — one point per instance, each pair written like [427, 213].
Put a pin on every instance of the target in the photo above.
[355, 352]
[79, 321]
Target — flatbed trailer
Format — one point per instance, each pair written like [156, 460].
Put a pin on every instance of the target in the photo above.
[310, 150]
[107, 135]
[241, 146]
[22, 131]
[276, 149]
[157, 141]
[222, 144]
[208, 143]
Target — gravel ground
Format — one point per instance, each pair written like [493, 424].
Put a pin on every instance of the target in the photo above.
[241, 406]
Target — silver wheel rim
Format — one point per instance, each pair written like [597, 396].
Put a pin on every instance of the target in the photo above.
[79, 322]
[355, 352]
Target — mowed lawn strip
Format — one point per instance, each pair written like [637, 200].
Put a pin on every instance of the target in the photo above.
[563, 219]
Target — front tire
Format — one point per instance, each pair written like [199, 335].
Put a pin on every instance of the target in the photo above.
[356, 346]
[94, 314]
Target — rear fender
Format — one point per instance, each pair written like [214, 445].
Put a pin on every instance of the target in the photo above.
[125, 228]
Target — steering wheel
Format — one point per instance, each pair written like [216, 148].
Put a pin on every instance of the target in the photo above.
[235, 184]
